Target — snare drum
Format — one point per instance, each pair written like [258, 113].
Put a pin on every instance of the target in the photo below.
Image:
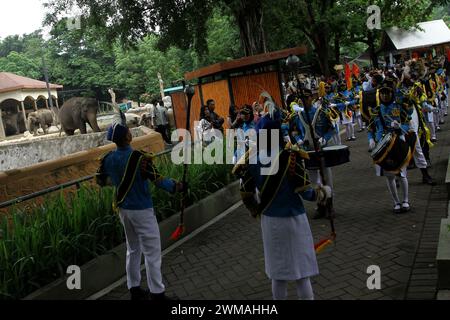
[391, 153]
[334, 156]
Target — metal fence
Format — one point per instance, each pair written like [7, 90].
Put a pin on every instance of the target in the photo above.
[105, 108]
[77, 183]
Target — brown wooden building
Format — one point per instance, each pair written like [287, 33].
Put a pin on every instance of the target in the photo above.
[235, 82]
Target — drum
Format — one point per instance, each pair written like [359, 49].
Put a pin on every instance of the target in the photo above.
[334, 156]
[391, 153]
[368, 103]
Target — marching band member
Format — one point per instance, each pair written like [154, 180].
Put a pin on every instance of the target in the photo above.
[287, 240]
[129, 171]
[422, 153]
[358, 117]
[330, 96]
[346, 106]
[429, 106]
[389, 118]
[323, 129]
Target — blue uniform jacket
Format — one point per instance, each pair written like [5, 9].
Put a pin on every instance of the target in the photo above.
[286, 203]
[139, 197]
[389, 113]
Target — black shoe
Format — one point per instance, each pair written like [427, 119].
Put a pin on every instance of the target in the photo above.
[162, 297]
[397, 208]
[428, 180]
[433, 140]
[360, 130]
[353, 139]
[137, 293]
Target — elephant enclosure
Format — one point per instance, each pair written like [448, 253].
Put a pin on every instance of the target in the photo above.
[38, 176]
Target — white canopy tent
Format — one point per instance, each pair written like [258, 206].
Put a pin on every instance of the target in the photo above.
[428, 34]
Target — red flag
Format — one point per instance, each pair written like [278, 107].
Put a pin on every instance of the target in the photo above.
[355, 70]
[348, 76]
[448, 55]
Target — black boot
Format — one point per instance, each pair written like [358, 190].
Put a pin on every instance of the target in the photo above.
[426, 178]
[162, 297]
[137, 293]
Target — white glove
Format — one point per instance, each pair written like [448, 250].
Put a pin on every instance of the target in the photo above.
[395, 124]
[323, 194]
[287, 139]
[296, 108]
[332, 105]
[322, 141]
[371, 144]
[347, 103]
[402, 137]
[300, 142]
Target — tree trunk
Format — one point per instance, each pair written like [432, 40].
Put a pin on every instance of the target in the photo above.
[337, 47]
[249, 16]
[372, 51]
[322, 50]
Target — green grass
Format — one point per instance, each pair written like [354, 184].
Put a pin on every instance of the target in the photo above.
[37, 244]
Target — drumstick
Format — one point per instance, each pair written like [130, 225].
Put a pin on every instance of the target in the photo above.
[392, 120]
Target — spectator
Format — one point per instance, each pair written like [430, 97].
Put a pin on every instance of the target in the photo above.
[159, 120]
[212, 117]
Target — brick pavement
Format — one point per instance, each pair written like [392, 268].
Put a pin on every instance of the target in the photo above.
[226, 261]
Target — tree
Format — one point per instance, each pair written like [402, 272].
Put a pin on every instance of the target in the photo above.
[183, 24]
[79, 60]
[21, 64]
[404, 14]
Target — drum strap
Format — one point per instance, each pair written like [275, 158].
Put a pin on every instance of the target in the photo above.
[306, 126]
[128, 178]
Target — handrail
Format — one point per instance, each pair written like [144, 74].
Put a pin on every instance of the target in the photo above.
[59, 187]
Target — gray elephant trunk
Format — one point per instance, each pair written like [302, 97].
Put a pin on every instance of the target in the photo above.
[92, 120]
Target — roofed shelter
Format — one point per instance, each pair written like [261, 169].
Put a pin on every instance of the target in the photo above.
[237, 82]
[417, 41]
[19, 96]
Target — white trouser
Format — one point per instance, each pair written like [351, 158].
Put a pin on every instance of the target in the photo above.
[142, 235]
[419, 157]
[337, 135]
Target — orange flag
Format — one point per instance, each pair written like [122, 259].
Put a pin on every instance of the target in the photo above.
[355, 70]
[348, 76]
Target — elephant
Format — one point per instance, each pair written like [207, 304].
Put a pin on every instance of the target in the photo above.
[42, 117]
[76, 112]
[10, 123]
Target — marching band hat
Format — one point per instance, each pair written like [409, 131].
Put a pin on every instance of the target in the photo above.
[117, 132]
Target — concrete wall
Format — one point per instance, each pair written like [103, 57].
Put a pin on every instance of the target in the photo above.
[27, 153]
[19, 182]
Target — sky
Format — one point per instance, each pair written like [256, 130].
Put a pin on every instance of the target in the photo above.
[20, 16]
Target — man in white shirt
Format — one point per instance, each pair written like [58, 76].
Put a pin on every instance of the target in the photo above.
[159, 120]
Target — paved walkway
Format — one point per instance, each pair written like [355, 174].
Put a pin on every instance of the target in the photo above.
[225, 261]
